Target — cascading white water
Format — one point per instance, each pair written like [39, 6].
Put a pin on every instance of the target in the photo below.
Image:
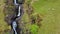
[19, 11]
[15, 2]
[14, 24]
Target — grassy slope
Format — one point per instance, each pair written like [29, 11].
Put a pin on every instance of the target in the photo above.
[3, 25]
[51, 20]
[51, 11]
[1, 15]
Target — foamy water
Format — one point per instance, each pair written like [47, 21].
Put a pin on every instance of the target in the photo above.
[14, 23]
[14, 26]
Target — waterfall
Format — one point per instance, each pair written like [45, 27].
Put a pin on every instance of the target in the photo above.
[14, 24]
[15, 2]
[19, 11]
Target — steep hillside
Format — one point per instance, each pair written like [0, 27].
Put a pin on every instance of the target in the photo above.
[40, 17]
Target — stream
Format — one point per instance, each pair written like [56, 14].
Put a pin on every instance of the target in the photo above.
[14, 22]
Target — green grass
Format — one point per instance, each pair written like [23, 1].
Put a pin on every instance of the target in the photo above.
[50, 9]
[3, 24]
[51, 19]
[34, 29]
